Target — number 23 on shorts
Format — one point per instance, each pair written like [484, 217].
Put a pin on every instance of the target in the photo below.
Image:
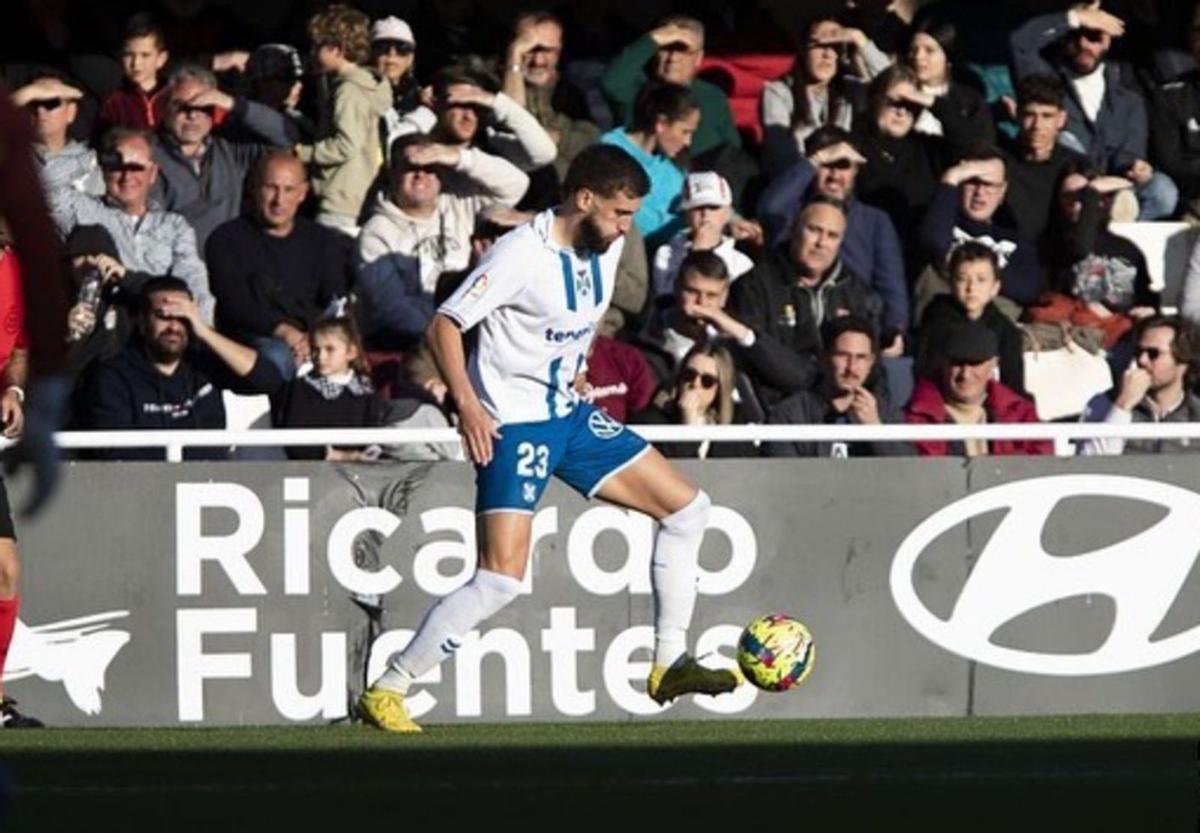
[533, 460]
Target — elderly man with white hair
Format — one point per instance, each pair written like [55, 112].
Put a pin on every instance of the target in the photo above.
[201, 175]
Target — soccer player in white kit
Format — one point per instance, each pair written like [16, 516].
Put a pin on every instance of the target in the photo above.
[537, 298]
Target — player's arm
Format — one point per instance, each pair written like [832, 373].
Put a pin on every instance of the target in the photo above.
[476, 425]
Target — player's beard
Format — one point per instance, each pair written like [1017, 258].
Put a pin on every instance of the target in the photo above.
[590, 238]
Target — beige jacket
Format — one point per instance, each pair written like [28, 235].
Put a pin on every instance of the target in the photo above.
[344, 165]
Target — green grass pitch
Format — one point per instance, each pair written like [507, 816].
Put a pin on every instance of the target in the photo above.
[1114, 772]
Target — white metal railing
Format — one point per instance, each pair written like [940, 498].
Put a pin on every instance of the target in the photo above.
[1063, 435]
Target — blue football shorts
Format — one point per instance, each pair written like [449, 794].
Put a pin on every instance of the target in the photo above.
[582, 449]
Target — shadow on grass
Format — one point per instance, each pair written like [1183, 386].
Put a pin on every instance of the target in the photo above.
[1138, 785]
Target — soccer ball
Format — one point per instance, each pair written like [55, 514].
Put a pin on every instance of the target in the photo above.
[776, 652]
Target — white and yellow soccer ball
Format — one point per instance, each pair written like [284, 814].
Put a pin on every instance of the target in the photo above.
[776, 652]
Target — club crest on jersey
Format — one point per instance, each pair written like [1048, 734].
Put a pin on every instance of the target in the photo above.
[479, 287]
[529, 492]
[604, 426]
[583, 282]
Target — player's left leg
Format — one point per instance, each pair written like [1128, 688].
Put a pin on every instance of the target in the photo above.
[10, 579]
[652, 485]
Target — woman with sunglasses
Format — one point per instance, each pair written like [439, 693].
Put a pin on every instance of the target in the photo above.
[703, 394]
[824, 87]
[930, 54]
[1098, 279]
[903, 165]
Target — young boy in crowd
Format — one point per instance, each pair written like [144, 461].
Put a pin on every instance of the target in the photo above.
[974, 284]
[140, 102]
[347, 160]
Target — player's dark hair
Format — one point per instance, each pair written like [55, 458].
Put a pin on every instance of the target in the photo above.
[606, 170]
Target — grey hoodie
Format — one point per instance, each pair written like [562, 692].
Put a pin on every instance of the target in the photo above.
[344, 164]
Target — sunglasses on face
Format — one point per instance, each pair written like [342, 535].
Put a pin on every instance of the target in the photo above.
[193, 110]
[1152, 353]
[912, 108]
[48, 104]
[433, 170]
[386, 46]
[689, 375]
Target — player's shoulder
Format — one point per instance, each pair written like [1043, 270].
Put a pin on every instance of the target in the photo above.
[518, 251]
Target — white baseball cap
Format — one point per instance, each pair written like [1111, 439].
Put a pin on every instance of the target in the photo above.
[706, 188]
[392, 28]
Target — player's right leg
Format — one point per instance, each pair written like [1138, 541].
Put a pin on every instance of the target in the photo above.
[504, 554]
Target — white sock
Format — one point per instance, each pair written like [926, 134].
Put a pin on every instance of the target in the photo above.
[674, 572]
[442, 630]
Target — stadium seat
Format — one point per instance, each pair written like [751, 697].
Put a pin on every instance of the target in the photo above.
[743, 77]
[1166, 247]
[245, 412]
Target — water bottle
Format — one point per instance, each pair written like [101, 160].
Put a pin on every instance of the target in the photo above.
[89, 295]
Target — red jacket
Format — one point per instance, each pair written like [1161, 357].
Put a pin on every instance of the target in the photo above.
[1003, 405]
[131, 106]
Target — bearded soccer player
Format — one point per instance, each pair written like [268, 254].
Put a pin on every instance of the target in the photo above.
[537, 298]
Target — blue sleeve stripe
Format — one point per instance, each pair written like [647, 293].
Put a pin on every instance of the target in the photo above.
[568, 280]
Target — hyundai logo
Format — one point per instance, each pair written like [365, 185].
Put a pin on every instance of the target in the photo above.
[1013, 575]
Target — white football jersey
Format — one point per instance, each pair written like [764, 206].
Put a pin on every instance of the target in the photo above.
[538, 306]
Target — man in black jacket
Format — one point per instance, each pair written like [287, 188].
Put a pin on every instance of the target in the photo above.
[1036, 160]
[785, 300]
[852, 391]
[1175, 136]
[969, 205]
[160, 381]
[274, 273]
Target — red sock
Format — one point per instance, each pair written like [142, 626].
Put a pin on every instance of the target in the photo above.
[8, 620]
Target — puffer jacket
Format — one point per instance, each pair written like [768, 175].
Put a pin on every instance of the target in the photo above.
[1003, 406]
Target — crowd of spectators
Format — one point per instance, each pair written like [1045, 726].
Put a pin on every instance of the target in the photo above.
[281, 217]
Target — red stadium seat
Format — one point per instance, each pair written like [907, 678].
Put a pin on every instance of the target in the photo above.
[743, 77]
